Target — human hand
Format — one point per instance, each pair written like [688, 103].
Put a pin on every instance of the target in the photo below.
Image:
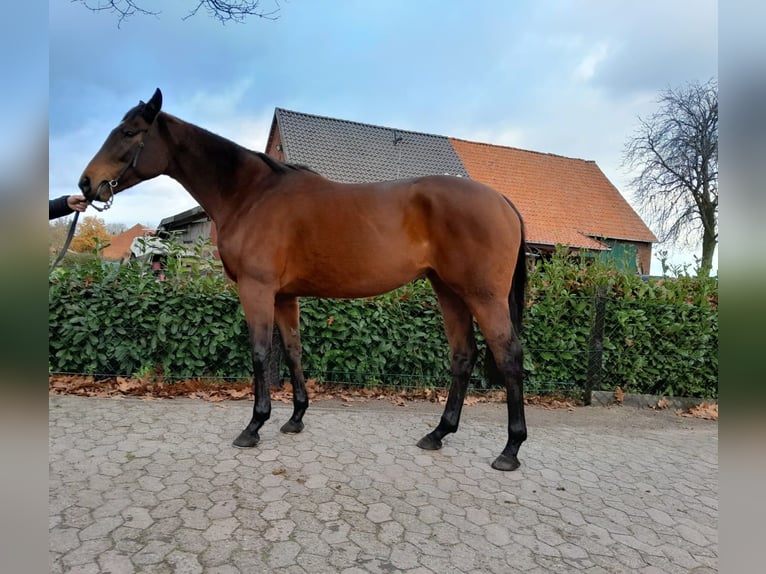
[77, 202]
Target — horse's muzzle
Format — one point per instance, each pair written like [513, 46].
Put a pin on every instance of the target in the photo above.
[85, 187]
[92, 193]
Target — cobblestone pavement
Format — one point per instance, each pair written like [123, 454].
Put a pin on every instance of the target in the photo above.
[155, 486]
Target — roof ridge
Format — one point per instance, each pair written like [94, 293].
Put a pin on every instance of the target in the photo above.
[521, 149]
[362, 124]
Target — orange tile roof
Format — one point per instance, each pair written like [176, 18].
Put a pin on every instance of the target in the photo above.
[562, 200]
[119, 245]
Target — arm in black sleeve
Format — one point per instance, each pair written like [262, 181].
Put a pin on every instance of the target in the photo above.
[58, 207]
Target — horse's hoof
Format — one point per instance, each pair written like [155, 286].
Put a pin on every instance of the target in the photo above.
[506, 463]
[246, 440]
[292, 427]
[429, 443]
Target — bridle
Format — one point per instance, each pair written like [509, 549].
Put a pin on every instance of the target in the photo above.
[113, 183]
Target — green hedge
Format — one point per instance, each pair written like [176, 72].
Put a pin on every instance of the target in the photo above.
[660, 336]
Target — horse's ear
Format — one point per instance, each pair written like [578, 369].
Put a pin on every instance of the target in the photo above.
[152, 108]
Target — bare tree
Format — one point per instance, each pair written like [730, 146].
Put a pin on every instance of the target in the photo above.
[236, 11]
[57, 232]
[676, 153]
[116, 228]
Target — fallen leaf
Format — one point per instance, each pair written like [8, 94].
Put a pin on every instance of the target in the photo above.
[218, 391]
[128, 385]
[239, 394]
[707, 411]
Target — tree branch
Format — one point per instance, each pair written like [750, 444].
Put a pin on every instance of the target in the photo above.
[123, 8]
[235, 11]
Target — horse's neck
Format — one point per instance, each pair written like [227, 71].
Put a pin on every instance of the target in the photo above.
[207, 165]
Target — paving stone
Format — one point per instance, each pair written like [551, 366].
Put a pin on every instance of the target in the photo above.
[692, 535]
[86, 553]
[497, 534]
[223, 552]
[184, 563]
[155, 486]
[379, 512]
[154, 552]
[63, 540]
[221, 529]
[279, 530]
[84, 569]
[115, 563]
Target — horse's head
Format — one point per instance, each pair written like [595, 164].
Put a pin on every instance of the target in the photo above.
[133, 152]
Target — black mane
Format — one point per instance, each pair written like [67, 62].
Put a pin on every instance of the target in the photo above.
[274, 165]
[132, 112]
[281, 167]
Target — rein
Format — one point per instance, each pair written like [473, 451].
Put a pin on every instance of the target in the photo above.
[112, 183]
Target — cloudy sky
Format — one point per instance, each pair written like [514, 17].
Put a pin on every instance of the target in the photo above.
[558, 76]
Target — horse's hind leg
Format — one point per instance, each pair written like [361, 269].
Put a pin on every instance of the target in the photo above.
[458, 324]
[505, 349]
[286, 316]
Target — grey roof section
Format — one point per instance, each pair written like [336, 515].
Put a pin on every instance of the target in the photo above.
[183, 218]
[353, 152]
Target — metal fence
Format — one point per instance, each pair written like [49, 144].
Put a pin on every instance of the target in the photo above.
[573, 345]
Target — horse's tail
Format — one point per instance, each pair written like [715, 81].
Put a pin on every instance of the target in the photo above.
[519, 285]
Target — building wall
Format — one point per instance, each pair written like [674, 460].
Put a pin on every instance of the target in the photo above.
[644, 258]
[189, 231]
[192, 231]
[629, 256]
[274, 148]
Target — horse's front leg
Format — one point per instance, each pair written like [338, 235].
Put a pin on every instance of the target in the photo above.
[258, 305]
[286, 316]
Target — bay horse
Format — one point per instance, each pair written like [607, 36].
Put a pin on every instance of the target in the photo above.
[286, 232]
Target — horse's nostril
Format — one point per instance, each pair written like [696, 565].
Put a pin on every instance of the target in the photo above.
[84, 184]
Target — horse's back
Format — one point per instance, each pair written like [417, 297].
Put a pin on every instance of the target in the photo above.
[464, 210]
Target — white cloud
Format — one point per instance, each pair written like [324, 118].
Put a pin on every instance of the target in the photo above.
[212, 103]
[586, 69]
[247, 131]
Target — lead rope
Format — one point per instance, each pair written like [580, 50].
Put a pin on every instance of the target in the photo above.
[69, 237]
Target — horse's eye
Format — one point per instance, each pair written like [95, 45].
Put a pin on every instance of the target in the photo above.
[129, 133]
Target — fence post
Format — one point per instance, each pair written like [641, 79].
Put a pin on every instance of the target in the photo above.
[595, 345]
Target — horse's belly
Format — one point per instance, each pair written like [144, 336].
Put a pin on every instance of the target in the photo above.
[363, 279]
